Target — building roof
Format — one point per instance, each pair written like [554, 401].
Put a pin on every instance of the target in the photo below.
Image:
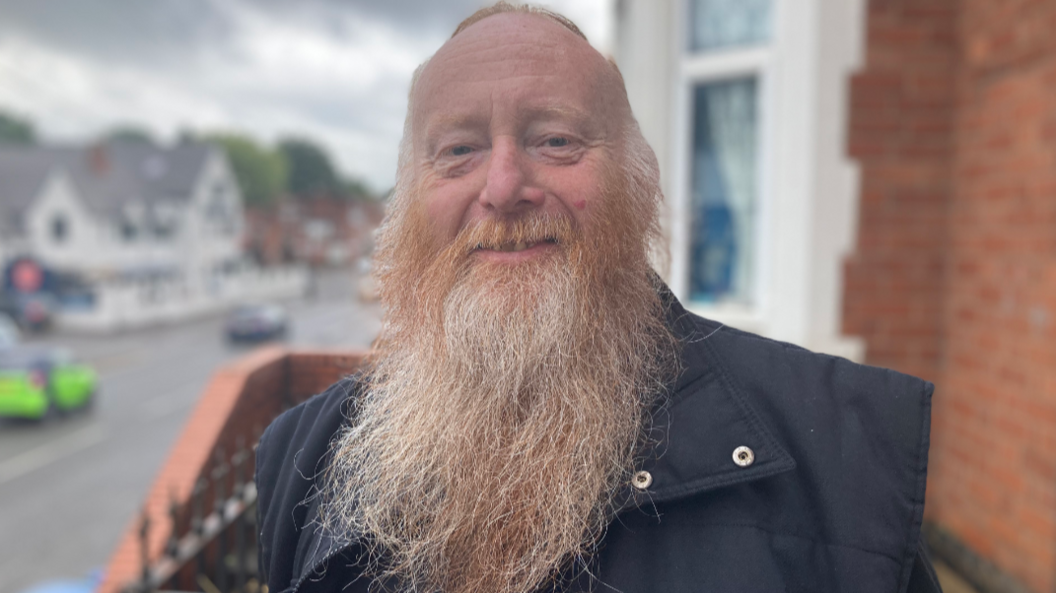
[106, 176]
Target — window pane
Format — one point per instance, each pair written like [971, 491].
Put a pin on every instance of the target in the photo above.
[724, 23]
[724, 193]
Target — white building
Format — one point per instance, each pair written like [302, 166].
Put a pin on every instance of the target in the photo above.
[122, 209]
[156, 231]
[744, 102]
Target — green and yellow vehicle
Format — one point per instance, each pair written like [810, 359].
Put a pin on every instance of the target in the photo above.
[38, 382]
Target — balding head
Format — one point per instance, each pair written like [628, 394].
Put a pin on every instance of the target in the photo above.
[506, 7]
[527, 44]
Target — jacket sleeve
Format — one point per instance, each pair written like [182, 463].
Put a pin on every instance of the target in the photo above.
[923, 578]
[291, 457]
[264, 491]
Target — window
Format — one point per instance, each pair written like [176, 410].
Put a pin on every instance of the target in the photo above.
[128, 231]
[724, 77]
[60, 228]
[162, 221]
[727, 23]
[723, 190]
[220, 210]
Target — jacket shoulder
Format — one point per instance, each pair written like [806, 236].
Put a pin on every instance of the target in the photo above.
[859, 434]
[290, 460]
[755, 360]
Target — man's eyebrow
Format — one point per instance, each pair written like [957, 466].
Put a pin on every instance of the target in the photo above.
[558, 112]
[440, 123]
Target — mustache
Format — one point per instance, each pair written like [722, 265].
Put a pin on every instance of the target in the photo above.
[528, 229]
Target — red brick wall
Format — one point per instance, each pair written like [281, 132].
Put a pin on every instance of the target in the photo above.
[983, 325]
[995, 439]
[899, 131]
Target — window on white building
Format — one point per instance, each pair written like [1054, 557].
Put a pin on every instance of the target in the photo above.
[60, 228]
[724, 72]
[220, 209]
[128, 231]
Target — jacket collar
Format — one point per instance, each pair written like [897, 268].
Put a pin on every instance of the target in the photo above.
[697, 427]
[694, 433]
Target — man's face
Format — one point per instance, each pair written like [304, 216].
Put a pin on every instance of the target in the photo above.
[515, 116]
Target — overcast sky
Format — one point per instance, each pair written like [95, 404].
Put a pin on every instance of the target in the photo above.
[333, 70]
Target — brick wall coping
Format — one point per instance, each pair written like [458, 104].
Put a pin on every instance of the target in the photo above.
[212, 415]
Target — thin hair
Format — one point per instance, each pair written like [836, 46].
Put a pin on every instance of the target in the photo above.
[506, 7]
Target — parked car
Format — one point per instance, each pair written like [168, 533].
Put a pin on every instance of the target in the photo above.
[256, 323]
[38, 382]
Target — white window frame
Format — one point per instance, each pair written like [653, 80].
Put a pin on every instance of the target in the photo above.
[695, 68]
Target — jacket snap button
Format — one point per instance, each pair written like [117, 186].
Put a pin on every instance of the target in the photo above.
[743, 456]
[642, 480]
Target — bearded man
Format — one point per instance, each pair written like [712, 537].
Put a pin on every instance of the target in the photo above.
[540, 413]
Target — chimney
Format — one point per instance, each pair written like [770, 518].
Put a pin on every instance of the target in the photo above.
[98, 160]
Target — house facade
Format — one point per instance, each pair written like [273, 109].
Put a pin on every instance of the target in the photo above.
[877, 179]
[122, 209]
[155, 233]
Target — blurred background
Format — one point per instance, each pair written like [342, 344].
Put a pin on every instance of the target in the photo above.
[188, 190]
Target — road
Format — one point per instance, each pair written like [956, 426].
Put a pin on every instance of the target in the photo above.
[69, 488]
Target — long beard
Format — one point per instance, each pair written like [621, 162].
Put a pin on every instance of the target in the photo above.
[503, 406]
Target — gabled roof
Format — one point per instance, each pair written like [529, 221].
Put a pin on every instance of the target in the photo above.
[106, 176]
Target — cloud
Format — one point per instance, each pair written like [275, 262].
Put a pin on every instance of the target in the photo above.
[336, 71]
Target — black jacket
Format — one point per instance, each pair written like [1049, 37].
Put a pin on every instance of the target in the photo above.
[832, 501]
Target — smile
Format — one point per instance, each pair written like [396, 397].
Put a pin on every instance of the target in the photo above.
[514, 247]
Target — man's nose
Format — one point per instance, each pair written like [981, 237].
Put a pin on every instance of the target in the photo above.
[509, 188]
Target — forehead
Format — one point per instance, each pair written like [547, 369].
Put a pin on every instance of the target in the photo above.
[518, 63]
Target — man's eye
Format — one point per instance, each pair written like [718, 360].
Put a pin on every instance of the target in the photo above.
[557, 142]
[462, 150]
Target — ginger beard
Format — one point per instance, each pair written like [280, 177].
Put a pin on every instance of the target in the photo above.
[504, 403]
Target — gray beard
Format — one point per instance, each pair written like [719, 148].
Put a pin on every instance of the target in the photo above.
[487, 448]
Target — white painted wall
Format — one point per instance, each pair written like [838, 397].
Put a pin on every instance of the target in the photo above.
[809, 190]
[83, 243]
[203, 250]
[203, 243]
[128, 305]
[96, 247]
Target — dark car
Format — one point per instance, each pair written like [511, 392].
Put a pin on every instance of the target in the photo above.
[255, 323]
[32, 312]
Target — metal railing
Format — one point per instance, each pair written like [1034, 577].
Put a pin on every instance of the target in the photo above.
[210, 548]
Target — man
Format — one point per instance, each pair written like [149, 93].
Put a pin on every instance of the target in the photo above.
[540, 413]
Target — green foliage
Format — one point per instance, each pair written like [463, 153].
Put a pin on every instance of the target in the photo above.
[311, 171]
[354, 189]
[296, 166]
[14, 130]
[261, 173]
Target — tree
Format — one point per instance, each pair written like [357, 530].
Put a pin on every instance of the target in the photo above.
[310, 171]
[261, 173]
[354, 189]
[14, 130]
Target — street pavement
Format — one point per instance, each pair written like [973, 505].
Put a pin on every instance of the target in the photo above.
[69, 488]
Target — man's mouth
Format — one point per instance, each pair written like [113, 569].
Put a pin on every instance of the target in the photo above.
[515, 246]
